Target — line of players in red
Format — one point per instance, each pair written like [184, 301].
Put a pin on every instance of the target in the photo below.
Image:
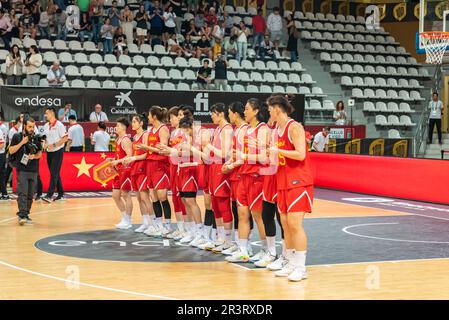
[254, 167]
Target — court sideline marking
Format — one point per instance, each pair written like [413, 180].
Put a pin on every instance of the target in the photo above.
[78, 282]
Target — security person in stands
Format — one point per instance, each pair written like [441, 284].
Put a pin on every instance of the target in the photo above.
[25, 151]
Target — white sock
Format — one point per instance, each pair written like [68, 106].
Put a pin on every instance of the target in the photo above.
[191, 225]
[243, 245]
[283, 248]
[236, 237]
[206, 232]
[159, 222]
[221, 233]
[199, 228]
[146, 219]
[180, 226]
[264, 244]
[128, 218]
[228, 235]
[213, 235]
[299, 259]
[167, 224]
[271, 245]
[289, 254]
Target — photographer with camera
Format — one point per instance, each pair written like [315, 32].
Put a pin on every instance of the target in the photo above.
[56, 137]
[25, 151]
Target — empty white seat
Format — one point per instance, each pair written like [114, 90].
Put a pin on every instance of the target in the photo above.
[294, 78]
[182, 86]
[160, 73]
[404, 107]
[160, 49]
[278, 89]
[168, 86]
[87, 71]
[125, 60]
[247, 65]
[252, 88]
[75, 45]
[357, 93]
[77, 84]
[291, 90]
[93, 84]
[368, 106]
[139, 60]
[146, 49]
[297, 66]
[328, 105]
[260, 65]
[132, 73]
[269, 77]
[381, 120]
[139, 85]
[175, 74]
[345, 80]
[167, 61]
[60, 45]
[393, 134]
[154, 86]
[369, 81]
[72, 71]
[404, 95]
[307, 78]
[415, 95]
[194, 63]
[392, 82]
[65, 58]
[89, 46]
[272, 65]
[102, 71]
[392, 106]
[393, 120]
[117, 72]
[380, 93]
[133, 48]
[110, 59]
[95, 58]
[238, 88]
[50, 56]
[369, 93]
[45, 44]
[315, 104]
[146, 73]
[153, 61]
[392, 94]
[108, 84]
[304, 90]
[265, 89]
[381, 106]
[181, 62]
[317, 91]
[123, 85]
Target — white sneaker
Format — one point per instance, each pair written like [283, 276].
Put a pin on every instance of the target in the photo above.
[258, 256]
[141, 229]
[152, 231]
[249, 249]
[278, 264]
[195, 241]
[214, 244]
[165, 231]
[201, 242]
[285, 271]
[187, 238]
[207, 245]
[228, 252]
[178, 235]
[172, 234]
[219, 249]
[265, 261]
[298, 274]
[124, 225]
[237, 256]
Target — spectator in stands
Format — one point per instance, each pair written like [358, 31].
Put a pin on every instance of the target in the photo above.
[215, 5]
[98, 115]
[340, 114]
[169, 24]
[228, 23]
[321, 141]
[259, 29]
[95, 13]
[44, 24]
[14, 65]
[156, 22]
[230, 46]
[120, 44]
[436, 110]
[191, 29]
[66, 112]
[211, 17]
[203, 47]
[173, 46]
[204, 75]
[242, 41]
[187, 46]
[267, 49]
[100, 138]
[85, 28]
[206, 30]
[27, 24]
[203, 6]
[221, 73]
[14, 18]
[114, 15]
[107, 34]
[75, 132]
[293, 36]
[127, 18]
[73, 18]
[141, 26]
[60, 23]
[55, 75]
[199, 20]
[5, 29]
[33, 63]
[274, 26]
[218, 34]
[192, 6]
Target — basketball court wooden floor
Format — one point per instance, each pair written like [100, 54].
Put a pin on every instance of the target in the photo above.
[361, 247]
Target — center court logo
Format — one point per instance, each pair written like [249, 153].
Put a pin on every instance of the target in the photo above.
[201, 102]
[38, 102]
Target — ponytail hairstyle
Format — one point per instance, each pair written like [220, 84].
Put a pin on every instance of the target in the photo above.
[219, 108]
[186, 123]
[262, 115]
[187, 110]
[281, 102]
[143, 119]
[160, 113]
[173, 111]
[238, 107]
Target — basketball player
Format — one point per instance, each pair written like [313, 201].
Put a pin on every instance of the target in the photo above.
[294, 185]
[176, 137]
[121, 186]
[157, 170]
[138, 171]
[236, 117]
[249, 192]
[219, 152]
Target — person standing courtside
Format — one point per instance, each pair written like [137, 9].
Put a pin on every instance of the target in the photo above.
[76, 136]
[27, 165]
[54, 145]
[100, 138]
[436, 110]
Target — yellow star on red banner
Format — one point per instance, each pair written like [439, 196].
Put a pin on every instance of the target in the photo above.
[103, 155]
[83, 168]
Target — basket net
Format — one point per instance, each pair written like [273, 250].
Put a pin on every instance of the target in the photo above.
[435, 44]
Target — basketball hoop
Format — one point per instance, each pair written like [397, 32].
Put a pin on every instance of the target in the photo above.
[435, 43]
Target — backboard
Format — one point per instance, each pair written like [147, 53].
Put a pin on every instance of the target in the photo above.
[433, 16]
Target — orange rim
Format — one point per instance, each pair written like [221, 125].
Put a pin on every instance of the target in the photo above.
[435, 35]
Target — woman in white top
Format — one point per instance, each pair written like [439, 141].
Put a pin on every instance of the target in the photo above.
[100, 139]
[242, 41]
[340, 114]
[33, 63]
[127, 18]
[169, 23]
[14, 65]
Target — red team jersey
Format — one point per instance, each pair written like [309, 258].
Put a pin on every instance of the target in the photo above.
[249, 147]
[219, 185]
[156, 165]
[235, 173]
[203, 166]
[122, 181]
[294, 178]
[176, 137]
[269, 182]
[138, 167]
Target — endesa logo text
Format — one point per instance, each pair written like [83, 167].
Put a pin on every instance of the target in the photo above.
[38, 102]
